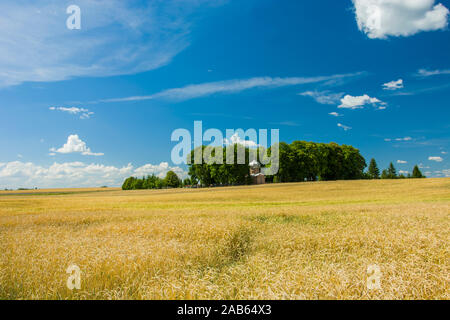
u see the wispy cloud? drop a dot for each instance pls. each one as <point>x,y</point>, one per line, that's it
<point>221,115</point>
<point>421,90</point>
<point>429,73</point>
<point>193,91</point>
<point>346,128</point>
<point>437,159</point>
<point>286,123</point>
<point>422,166</point>
<point>117,37</point>
<point>402,162</point>
<point>323,97</point>
<point>335,114</point>
<point>75,145</point>
<point>398,139</point>
<point>84,113</point>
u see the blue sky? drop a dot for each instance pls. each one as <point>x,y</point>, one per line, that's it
<point>89,107</point>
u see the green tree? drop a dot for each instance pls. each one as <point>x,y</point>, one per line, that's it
<point>172,180</point>
<point>391,171</point>
<point>187,182</point>
<point>128,183</point>
<point>373,171</point>
<point>416,173</point>
<point>384,174</point>
<point>138,184</point>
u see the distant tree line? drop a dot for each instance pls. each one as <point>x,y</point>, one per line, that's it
<point>153,182</point>
<point>391,173</point>
<point>298,161</point>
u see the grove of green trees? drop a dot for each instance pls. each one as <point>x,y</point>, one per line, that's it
<point>298,161</point>
<point>153,182</point>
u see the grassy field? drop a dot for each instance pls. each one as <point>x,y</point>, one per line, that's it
<point>284,241</point>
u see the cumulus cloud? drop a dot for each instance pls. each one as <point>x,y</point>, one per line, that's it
<point>75,145</point>
<point>75,174</point>
<point>323,97</point>
<point>358,102</point>
<point>402,161</point>
<point>235,139</point>
<point>429,73</point>
<point>393,85</point>
<point>84,113</point>
<point>437,159</point>
<point>229,87</point>
<point>117,37</point>
<point>346,128</point>
<point>382,18</point>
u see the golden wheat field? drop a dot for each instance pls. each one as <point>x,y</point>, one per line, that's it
<point>284,241</point>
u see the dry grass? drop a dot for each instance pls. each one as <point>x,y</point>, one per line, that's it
<point>286,241</point>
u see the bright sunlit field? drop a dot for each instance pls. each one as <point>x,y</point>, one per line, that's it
<point>284,241</point>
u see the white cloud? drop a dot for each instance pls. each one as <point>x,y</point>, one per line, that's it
<point>398,139</point>
<point>346,128</point>
<point>159,170</point>
<point>75,145</point>
<point>229,87</point>
<point>428,73</point>
<point>235,139</point>
<point>393,85</point>
<point>382,18</point>
<point>403,172</point>
<point>323,97</point>
<point>75,174</point>
<point>358,102</point>
<point>403,139</point>
<point>117,37</point>
<point>335,114</point>
<point>402,161</point>
<point>441,173</point>
<point>437,159</point>
<point>84,113</point>
<point>444,152</point>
